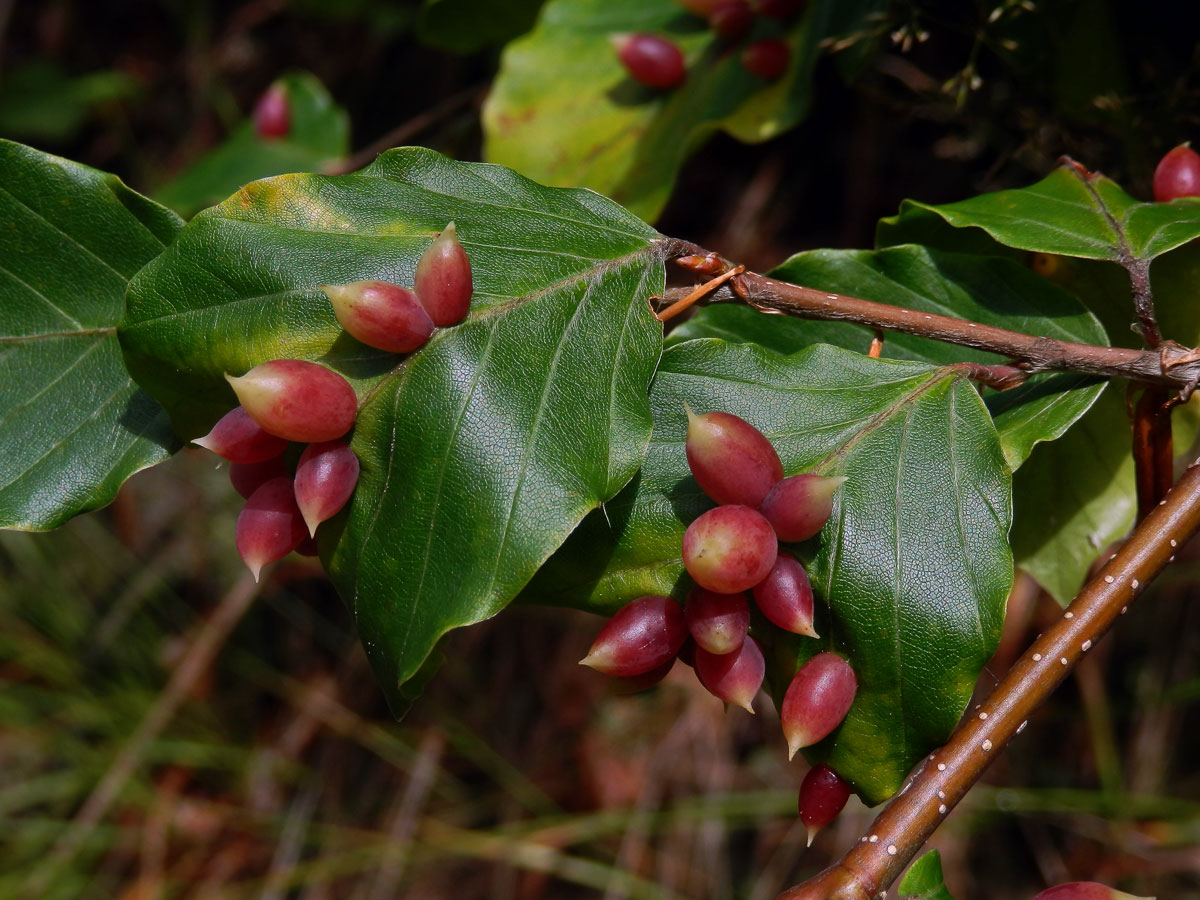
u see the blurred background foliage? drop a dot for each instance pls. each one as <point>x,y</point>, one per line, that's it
<point>169,730</point>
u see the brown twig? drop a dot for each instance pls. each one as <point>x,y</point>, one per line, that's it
<point>698,293</point>
<point>1001,377</point>
<point>1153,450</point>
<point>943,778</point>
<point>1170,367</point>
<point>1137,267</point>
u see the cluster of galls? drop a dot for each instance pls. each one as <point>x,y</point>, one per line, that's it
<point>730,551</point>
<point>292,400</point>
<point>658,62</point>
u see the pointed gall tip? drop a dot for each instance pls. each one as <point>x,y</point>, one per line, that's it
<point>205,442</point>
<point>255,569</point>
<point>618,39</point>
<point>595,660</point>
<point>449,231</point>
<point>236,382</point>
<point>312,522</point>
<point>812,833</point>
<point>825,485</point>
<point>793,746</point>
<point>807,630</point>
<point>743,702</point>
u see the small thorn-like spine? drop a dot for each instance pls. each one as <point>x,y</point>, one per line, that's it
<point>380,314</point>
<point>325,478</point>
<point>239,439</point>
<point>269,526</point>
<point>799,506</point>
<point>640,636</point>
<point>817,700</point>
<point>297,400</point>
<point>443,281</point>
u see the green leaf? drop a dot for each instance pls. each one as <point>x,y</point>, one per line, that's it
<point>564,111</point>
<point>1076,495</point>
<point>912,571</point>
<point>466,26</point>
<point>1102,286</point>
<point>1069,214</point>
<point>73,425</point>
<point>924,880</point>
<point>980,289</point>
<point>320,133</point>
<point>480,452</point>
<point>1073,498</point>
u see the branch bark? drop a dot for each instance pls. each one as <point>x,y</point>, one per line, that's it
<point>1153,449</point>
<point>1170,365</point>
<point>943,778</point>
